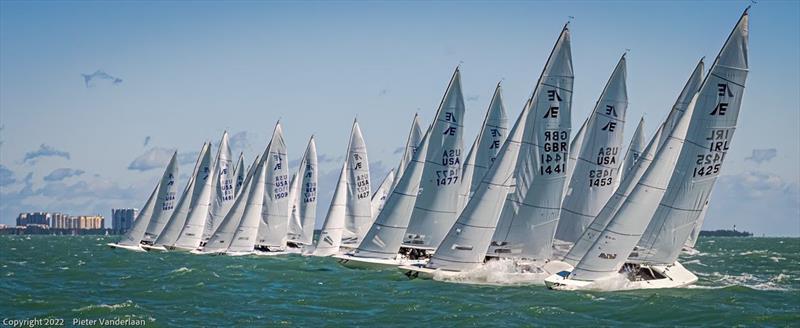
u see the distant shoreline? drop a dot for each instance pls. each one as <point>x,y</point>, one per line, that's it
<point>725,233</point>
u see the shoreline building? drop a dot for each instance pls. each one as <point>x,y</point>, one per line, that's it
<point>122,219</point>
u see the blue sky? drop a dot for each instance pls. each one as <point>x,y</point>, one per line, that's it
<point>190,70</point>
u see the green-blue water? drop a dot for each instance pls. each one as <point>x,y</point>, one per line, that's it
<point>750,281</point>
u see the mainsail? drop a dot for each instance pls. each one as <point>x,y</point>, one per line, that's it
<point>671,194</point>
<point>595,174</point>
<point>304,214</point>
<point>485,148</point>
<point>380,194</point>
<point>190,195</point>
<point>465,245</point>
<point>627,184</point>
<point>708,141</point>
<point>192,232</point>
<point>635,149</point>
<point>385,236</point>
<point>358,213</point>
<point>239,173</point>
<point>530,214</point>
<point>222,237</point>
<point>224,188</point>
<point>275,211</point>
<point>166,201</point>
<point>436,207</point>
<point>412,142</point>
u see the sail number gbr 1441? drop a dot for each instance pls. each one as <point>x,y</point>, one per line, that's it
<point>553,158</point>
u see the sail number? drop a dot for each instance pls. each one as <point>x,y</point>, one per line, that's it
<point>553,159</point>
<point>362,186</point>
<point>446,177</point>
<point>310,192</point>
<point>710,160</point>
<point>281,187</point>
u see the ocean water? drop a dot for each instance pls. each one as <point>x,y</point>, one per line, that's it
<point>743,281</point>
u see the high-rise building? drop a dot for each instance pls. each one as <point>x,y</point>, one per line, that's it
<point>42,218</point>
<point>122,219</point>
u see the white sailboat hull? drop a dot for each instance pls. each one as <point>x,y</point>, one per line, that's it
<point>179,249</point>
<point>524,271</point>
<point>674,276</point>
<point>356,262</point>
<point>154,248</point>
<point>136,248</point>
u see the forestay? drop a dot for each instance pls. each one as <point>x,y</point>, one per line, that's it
<point>530,213</point>
<point>435,209</point>
<point>594,177</point>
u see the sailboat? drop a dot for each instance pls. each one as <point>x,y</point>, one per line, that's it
<point>304,201</point>
<point>190,235</point>
<point>190,195</point>
<point>595,173</point>
<point>673,190</point>
<point>158,200</point>
<point>540,136</point>
<point>222,238</point>
<point>244,238</point>
<point>380,248</point>
<point>435,210</point>
<point>166,195</point>
<point>485,148</point>
<point>224,188</point>
<point>271,239</point>
<point>530,213</point>
<point>349,214</point>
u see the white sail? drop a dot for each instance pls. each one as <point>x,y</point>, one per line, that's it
<point>574,150</point>
<point>465,245</point>
<point>134,236</point>
<point>222,237</point>
<point>192,232</point>
<point>627,184</point>
<point>175,224</point>
<point>166,201</point>
<point>358,216</point>
<point>330,237</point>
<point>244,239</point>
<point>708,140</point>
<point>224,187</point>
<point>305,213</point>
<point>530,214</point>
<point>635,149</point>
<point>385,236</point>
<point>412,142</point>
<point>380,194</point>
<point>692,241</point>
<point>239,173</point>
<point>484,150</point>
<point>436,207</point>
<point>595,174</point>
<point>294,228</point>
<point>275,212</point>
<point>668,196</point>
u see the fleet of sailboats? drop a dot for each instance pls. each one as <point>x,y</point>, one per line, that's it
<point>568,212</point>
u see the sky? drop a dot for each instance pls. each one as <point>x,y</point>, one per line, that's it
<point>95,95</point>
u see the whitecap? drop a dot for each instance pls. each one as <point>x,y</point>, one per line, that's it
<point>111,307</point>
<point>504,272</point>
<point>181,270</point>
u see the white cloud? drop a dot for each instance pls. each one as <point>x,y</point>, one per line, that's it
<point>153,158</point>
<point>63,173</point>
<point>762,155</point>
<point>43,151</point>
